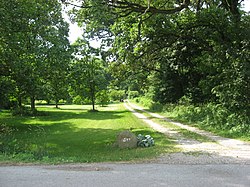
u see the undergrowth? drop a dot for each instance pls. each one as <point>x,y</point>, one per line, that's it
<point>212,117</point>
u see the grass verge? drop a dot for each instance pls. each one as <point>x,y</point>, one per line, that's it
<point>72,134</point>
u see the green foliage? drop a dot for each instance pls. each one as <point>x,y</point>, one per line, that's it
<point>34,49</point>
<point>7,99</point>
<point>145,141</point>
<point>144,101</point>
<point>200,52</point>
<point>148,103</point>
<point>88,72</point>
<point>26,111</point>
<point>78,100</point>
<point>192,54</point>
<point>117,95</point>
<point>102,97</point>
<point>185,100</point>
<point>133,94</point>
<point>213,117</point>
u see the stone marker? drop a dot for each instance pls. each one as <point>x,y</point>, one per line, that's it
<point>126,139</point>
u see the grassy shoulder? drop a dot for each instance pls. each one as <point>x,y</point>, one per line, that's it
<point>73,134</point>
<point>213,118</point>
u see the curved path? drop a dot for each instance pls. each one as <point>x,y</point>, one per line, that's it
<point>223,150</point>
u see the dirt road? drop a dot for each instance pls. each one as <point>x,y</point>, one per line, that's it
<point>222,150</point>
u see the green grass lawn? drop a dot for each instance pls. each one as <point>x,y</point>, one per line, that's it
<point>73,134</point>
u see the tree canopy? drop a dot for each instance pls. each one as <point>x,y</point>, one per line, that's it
<point>33,39</point>
<point>165,50</point>
<point>198,49</point>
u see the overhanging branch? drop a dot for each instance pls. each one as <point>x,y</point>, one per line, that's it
<point>134,7</point>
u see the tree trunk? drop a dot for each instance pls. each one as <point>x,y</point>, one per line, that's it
<point>32,103</point>
<point>56,103</point>
<point>92,92</point>
<point>93,101</point>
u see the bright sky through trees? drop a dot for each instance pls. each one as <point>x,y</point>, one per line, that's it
<point>76,31</point>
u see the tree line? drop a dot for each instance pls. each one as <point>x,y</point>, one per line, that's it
<point>173,49</point>
<point>37,60</point>
<point>163,50</point>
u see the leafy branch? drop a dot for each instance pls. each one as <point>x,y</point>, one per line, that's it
<point>129,7</point>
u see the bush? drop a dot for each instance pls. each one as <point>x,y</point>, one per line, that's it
<point>25,111</point>
<point>102,97</point>
<point>156,107</point>
<point>210,115</point>
<point>145,141</point>
<point>207,116</point>
<point>146,102</point>
<point>133,94</point>
<point>185,100</point>
<point>117,95</point>
<point>78,100</point>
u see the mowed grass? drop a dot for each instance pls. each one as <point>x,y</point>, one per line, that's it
<point>73,134</point>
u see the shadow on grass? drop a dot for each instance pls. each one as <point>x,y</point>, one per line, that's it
<point>59,138</point>
<point>64,141</point>
<point>65,115</point>
<point>57,115</point>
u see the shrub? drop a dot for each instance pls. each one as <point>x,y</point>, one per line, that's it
<point>102,97</point>
<point>210,115</point>
<point>77,100</point>
<point>133,94</point>
<point>26,111</point>
<point>146,102</point>
<point>117,95</point>
<point>156,107</point>
<point>145,141</point>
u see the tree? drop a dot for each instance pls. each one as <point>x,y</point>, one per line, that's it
<point>194,48</point>
<point>29,32</point>
<point>87,72</point>
<point>102,97</point>
<point>58,57</point>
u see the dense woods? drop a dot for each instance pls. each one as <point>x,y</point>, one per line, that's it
<point>188,52</point>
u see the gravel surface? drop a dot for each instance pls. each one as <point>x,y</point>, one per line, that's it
<point>222,151</point>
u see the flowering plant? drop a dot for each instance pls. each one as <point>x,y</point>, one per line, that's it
<point>145,141</point>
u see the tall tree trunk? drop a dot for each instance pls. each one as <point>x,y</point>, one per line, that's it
<point>56,102</point>
<point>92,92</point>
<point>32,103</point>
<point>93,103</point>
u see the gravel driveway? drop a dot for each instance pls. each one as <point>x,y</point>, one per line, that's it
<point>222,150</point>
